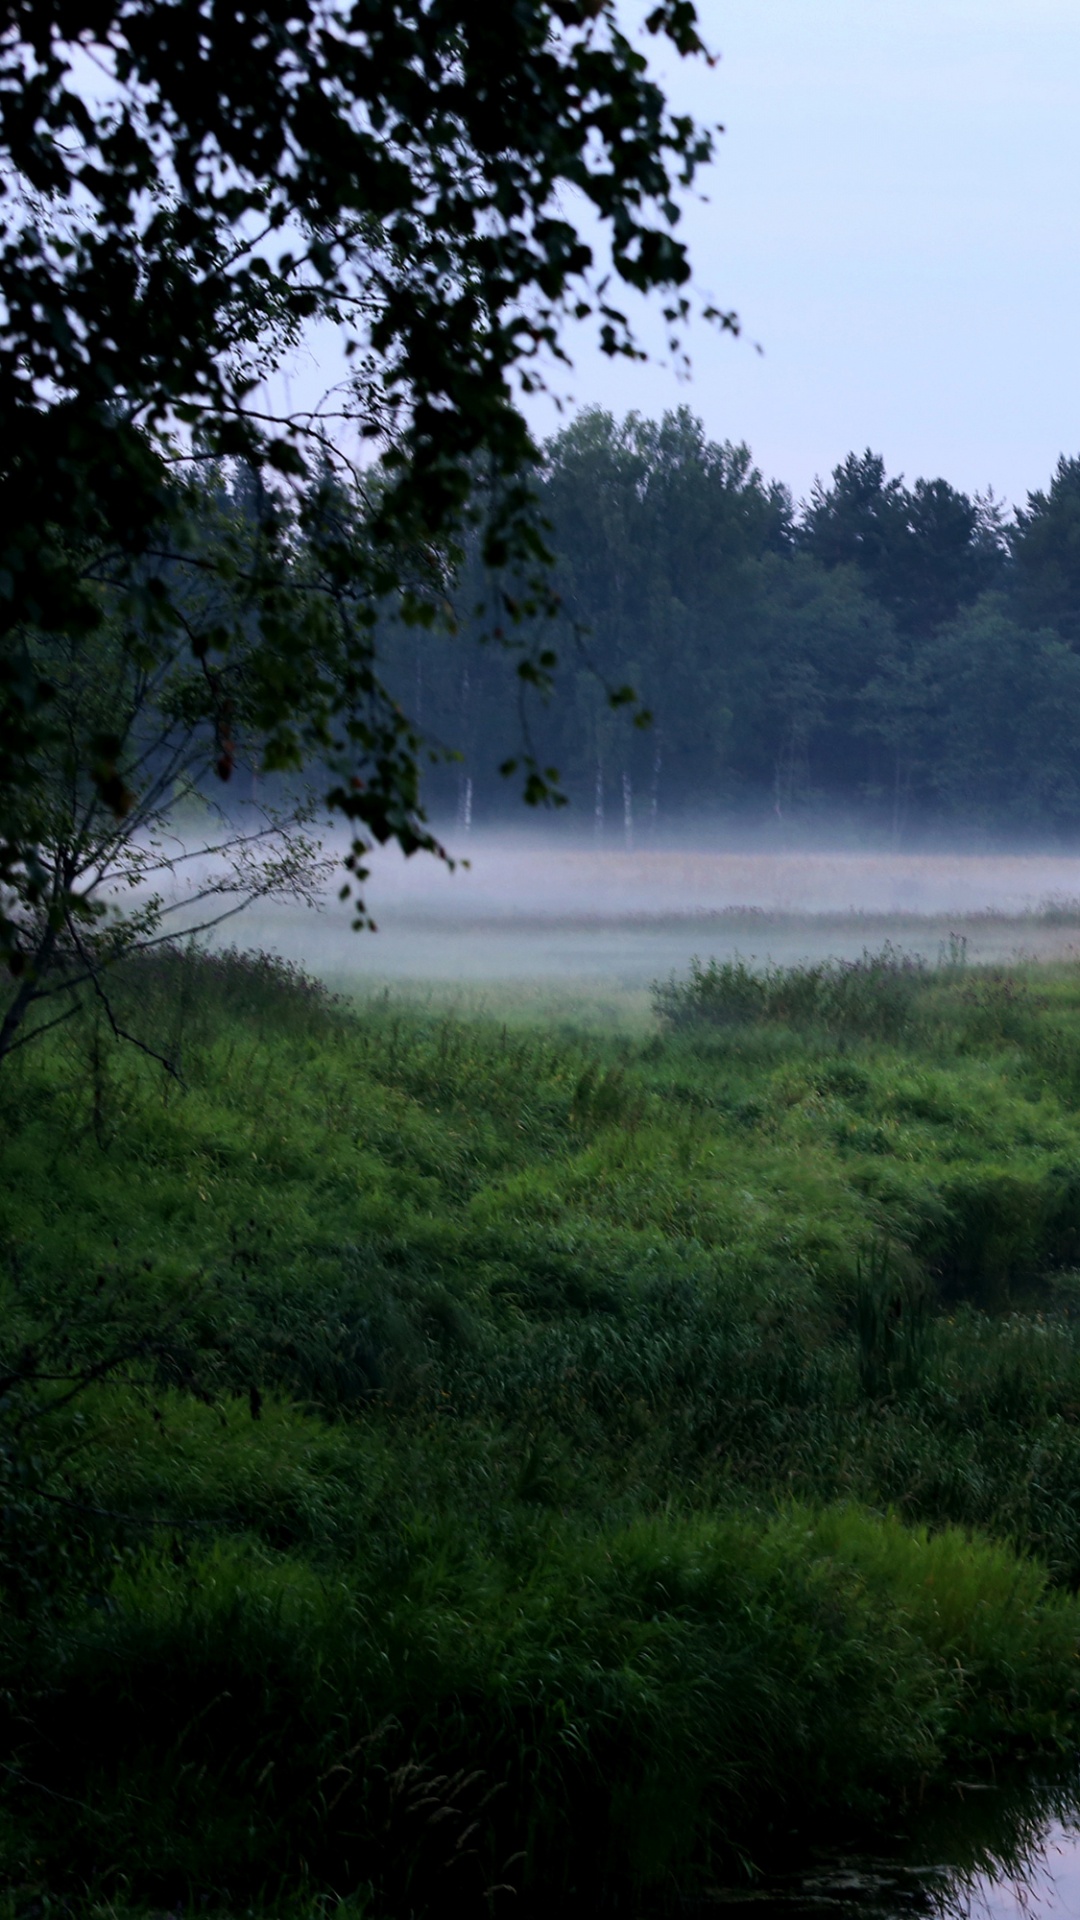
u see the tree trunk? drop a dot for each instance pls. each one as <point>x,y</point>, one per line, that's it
<point>654,798</point>
<point>27,993</point>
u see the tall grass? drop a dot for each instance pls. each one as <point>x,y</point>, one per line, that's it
<point>438,1457</point>
<point>873,995</point>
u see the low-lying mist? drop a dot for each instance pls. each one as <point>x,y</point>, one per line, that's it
<point>518,907</point>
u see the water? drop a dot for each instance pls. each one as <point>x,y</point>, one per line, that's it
<point>987,1853</point>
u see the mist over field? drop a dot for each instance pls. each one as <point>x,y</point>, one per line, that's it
<point>560,909</point>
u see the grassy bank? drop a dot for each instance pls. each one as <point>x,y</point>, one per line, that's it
<point>441,1456</point>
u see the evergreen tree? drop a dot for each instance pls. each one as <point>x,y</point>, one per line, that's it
<point>1045,547</point>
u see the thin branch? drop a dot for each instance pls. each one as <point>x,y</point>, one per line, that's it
<point>150,945</point>
<point>119,1032</point>
<point>223,846</point>
<point>36,1032</point>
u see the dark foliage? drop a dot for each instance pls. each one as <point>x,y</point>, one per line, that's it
<point>185,189</point>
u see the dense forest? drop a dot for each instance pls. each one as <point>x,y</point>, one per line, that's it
<point>906,652</point>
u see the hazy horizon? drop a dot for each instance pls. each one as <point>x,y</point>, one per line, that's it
<point>529,908</point>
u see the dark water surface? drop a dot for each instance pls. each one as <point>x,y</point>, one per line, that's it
<point>991,1853</point>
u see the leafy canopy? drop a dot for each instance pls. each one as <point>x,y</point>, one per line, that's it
<point>183,191</point>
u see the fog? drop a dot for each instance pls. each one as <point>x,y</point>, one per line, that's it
<point>526,908</point>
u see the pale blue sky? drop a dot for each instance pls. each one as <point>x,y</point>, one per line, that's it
<point>895,213</point>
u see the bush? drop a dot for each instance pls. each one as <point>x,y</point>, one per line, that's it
<point>619,1700</point>
<point>875,995</point>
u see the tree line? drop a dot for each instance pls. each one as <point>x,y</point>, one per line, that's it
<point>904,650</point>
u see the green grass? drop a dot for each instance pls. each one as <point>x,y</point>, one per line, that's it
<point>506,1456</point>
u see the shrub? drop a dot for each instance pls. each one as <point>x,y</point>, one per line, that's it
<point>874,995</point>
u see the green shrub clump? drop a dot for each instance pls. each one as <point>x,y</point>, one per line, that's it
<point>874,995</point>
<point>437,1459</point>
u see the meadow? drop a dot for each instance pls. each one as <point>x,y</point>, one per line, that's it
<point>451,1459</point>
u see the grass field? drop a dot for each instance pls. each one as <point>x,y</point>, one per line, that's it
<point>445,1452</point>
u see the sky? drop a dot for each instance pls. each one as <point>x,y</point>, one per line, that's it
<point>894,213</point>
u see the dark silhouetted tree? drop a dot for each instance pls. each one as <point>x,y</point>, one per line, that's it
<point>186,189</point>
